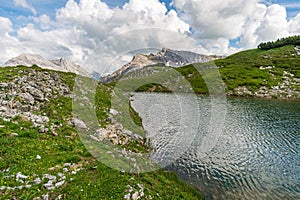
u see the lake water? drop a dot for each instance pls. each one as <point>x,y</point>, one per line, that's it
<point>227,148</point>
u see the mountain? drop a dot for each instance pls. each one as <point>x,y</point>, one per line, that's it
<point>97,76</point>
<point>167,57</point>
<point>60,64</point>
<point>67,65</point>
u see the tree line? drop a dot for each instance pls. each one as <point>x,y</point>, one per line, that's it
<point>292,40</point>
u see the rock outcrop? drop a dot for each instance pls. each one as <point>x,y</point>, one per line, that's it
<point>26,93</point>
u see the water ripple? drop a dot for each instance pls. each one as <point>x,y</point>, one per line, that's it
<point>257,157</point>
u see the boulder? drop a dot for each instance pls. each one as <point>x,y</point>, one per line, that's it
<point>79,124</point>
<point>3,85</point>
<point>27,98</point>
<point>36,93</point>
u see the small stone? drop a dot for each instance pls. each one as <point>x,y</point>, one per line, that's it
<point>11,188</point>
<point>20,187</point>
<point>50,177</point>
<point>51,168</point>
<point>20,176</point>
<point>3,85</point>
<point>28,98</point>
<point>38,157</point>
<point>127,196</point>
<point>67,165</point>
<point>14,134</point>
<point>59,184</point>
<point>37,181</point>
<point>135,196</point>
<point>142,194</point>
<point>3,109</point>
<point>79,124</point>
<point>37,94</point>
<point>49,185</point>
<point>140,186</point>
<point>95,138</point>
<point>42,129</point>
<point>113,112</point>
<point>45,196</point>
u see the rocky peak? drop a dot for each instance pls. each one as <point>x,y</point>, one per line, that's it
<point>138,62</point>
<point>60,64</point>
<point>67,65</point>
<point>29,60</point>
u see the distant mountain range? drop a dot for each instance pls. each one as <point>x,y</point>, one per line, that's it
<point>167,57</point>
<point>60,64</point>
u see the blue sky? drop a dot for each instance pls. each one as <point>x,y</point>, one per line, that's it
<point>51,28</point>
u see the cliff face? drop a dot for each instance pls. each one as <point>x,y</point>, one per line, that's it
<point>167,57</point>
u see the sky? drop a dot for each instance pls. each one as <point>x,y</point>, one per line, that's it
<point>106,31</point>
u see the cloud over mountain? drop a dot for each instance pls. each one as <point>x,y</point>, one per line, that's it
<point>211,27</point>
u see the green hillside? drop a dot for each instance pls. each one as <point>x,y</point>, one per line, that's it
<point>273,73</point>
<point>42,156</point>
<point>250,68</point>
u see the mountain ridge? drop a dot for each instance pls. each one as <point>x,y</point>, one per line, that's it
<point>167,57</point>
<point>59,64</point>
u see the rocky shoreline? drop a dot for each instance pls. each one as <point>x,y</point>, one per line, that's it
<point>285,89</point>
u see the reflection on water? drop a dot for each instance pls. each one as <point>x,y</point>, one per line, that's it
<point>256,156</point>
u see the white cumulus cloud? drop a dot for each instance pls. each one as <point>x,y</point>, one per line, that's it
<point>274,24</point>
<point>249,21</point>
<point>5,26</point>
<point>79,27</point>
<point>9,45</point>
<point>294,24</point>
<point>86,26</point>
<point>218,18</point>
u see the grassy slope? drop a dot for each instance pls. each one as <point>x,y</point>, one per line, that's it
<point>242,69</point>
<point>94,181</point>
